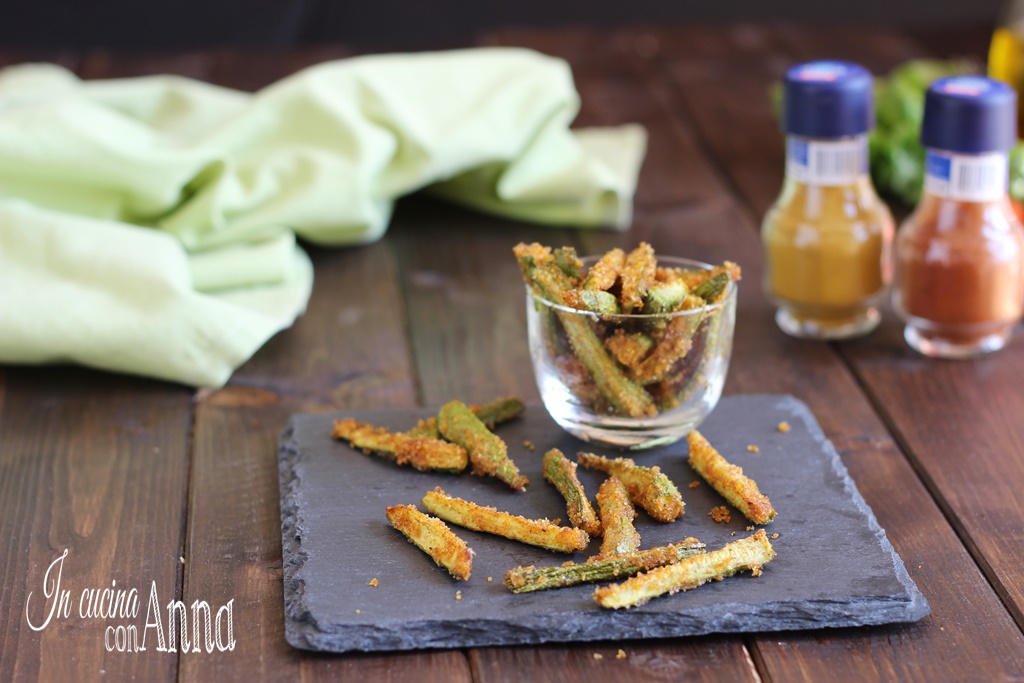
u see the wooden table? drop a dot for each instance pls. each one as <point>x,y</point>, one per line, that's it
<point>151,483</point>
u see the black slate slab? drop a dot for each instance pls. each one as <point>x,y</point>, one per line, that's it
<point>834,566</point>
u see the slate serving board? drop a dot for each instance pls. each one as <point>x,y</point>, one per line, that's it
<point>834,565</point>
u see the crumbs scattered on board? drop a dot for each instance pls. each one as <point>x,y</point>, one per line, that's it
<point>374,582</point>
<point>783,427</point>
<point>720,514</point>
<point>752,448</point>
<point>529,445</point>
<point>694,484</point>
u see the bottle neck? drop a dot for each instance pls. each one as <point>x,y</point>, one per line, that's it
<point>966,177</point>
<point>833,162</point>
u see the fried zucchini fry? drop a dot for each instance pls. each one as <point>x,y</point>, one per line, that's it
<point>491,414</point>
<point>539,532</point>
<point>433,537</point>
<point>617,514</point>
<point>596,301</point>
<point>605,272</point>
<point>637,277</point>
<point>528,579</point>
<point>750,553</point>
<point>623,394</point>
<point>561,472</point>
<point>628,348</point>
<point>648,487</point>
<point>729,480</point>
<point>674,345</point>
<point>488,454</point>
<point>423,453</point>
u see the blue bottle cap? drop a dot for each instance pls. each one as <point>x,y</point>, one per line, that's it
<point>970,115</point>
<point>827,99</point>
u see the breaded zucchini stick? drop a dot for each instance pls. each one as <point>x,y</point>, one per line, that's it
<point>637,277</point>
<point>627,397</point>
<point>629,349</point>
<point>605,272</point>
<point>423,453</point>
<point>674,345</point>
<point>487,452</point>
<point>617,514</point>
<point>491,414</point>
<point>750,553</point>
<point>561,472</point>
<point>528,579</point>
<point>433,537</point>
<point>539,532</point>
<point>729,480</point>
<point>648,487</point>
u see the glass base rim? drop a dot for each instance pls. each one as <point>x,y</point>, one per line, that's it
<point>936,347</point>
<point>859,326</point>
<point>638,439</point>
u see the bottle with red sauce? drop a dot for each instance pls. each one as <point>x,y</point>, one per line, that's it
<point>960,255</point>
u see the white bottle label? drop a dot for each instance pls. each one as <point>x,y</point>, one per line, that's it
<point>966,178</point>
<point>827,163</point>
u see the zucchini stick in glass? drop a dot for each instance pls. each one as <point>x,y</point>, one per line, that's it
<point>488,454</point>
<point>627,397</point>
<point>539,532</point>
<point>648,487</point>
<point>491,414</point>
<point>423,452</point>
<point>729,480</point>
<point>617,515</point>
<point>433,537</point>
<point>561,472</point>
<point>750,553</point>
<point>528,579</point>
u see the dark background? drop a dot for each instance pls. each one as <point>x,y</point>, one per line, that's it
<point>412,24</point>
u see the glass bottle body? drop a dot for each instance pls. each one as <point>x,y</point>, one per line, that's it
<point>828,257</point>
<point>959,276</point>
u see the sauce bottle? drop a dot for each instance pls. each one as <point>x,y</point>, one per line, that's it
<point>1006,50</point>
<point>828,237</point>
<point>960,255</point>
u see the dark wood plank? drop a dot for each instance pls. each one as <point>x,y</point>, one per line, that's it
<point>107,64</point>
<point>915,523</point>
<point>347,351</point>
<point>96,464</point>
<point>628,661</point>
<point>254,69</point>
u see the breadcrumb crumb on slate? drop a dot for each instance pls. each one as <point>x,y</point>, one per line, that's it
<point>720,514</point>
<point>753,449</point>
<point>784,427</point>
<point>374,582</point>
<point>694,484</point>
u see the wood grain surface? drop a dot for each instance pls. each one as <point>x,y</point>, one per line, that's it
<point>132,475</point>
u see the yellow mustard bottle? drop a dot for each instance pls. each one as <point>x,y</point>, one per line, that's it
<point>1006,52</point>
<point>828,237</point>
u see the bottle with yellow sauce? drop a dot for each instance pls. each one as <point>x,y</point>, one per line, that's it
<point>828,237</point>
<point>1006,52</point>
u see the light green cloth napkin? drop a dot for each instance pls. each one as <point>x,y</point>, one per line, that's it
<point>148,225</point>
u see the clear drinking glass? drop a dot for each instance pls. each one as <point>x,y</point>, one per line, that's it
<point>596,398</point>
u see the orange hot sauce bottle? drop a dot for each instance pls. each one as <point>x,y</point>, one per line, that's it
<point>828,237</point>
<point>960,255</point>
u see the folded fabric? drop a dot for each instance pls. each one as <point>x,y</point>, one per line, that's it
<point>148,225</point>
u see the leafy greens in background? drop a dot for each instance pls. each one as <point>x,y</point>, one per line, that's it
<point>897,157</point>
